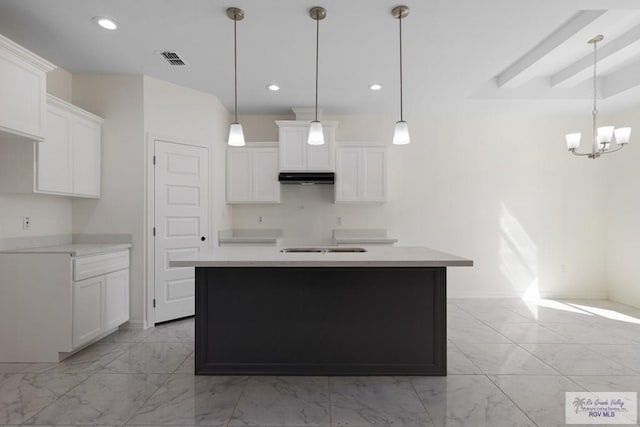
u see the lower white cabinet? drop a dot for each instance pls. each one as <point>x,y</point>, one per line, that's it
<point>361,173</point>
<point>87,310</point>
<point>52,304</point>
<point>252,174</point>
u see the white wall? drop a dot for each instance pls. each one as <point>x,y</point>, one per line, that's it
<point>495,187</point>
<point>623,215</point>
<point>50,215</point>
<point>119,100</point>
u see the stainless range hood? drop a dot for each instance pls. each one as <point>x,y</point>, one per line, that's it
<point>306,178</point>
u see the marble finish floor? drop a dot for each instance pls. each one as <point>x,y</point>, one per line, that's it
<point>509,364</point>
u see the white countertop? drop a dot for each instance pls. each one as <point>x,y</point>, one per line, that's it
<point>74,249</point>
<point>376,256</point>
<point>362,237</point>
<point>248,236</point>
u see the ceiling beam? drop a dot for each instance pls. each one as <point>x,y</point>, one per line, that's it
<point>622,80</point>
<point>612,52</point>
<point>509,77</point>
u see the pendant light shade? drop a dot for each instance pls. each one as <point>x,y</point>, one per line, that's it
<point>316,136</point>
<point>573,140</point>
<point>236,136</point>
<point>401,133</point>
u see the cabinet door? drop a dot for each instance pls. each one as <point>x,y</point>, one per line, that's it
<point>320,157</point>
<point>266,187</point>
<point>86,142</point>
<point>116,299</point>
<point>239,179</point>
<point>374,174</point>
<point>22,103</point>
<point>87,310</point>
<point>348,172</point>
<point>55,169</point>
<point>293,148</point>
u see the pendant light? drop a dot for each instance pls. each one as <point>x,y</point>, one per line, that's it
<point>602,136</point>
<point>401,133</point>
<point>316,136</point>
<point>236,135</point>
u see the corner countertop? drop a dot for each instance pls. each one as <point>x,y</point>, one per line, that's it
<point>376,256</point>
<point>73,249</point>
<point>249,236</point>
<point>362,237</point>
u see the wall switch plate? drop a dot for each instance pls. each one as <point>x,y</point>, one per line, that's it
<point>26,222</point>
<point>339,220</point>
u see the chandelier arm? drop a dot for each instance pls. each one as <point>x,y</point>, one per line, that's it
<point>613,151</point>
<point>577,153</point>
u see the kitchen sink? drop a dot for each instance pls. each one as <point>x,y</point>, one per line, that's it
<point>322,250</point>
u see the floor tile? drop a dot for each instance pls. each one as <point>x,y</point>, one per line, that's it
<point>24,395</point>
<point>186,399</point>
<point>25,368</point>
<point>626,355</point>
<point>188,366</point>
<point>151,358</point>
<point>363,401</point>
<point>505,359</point>
<point>91,359</point>
<point>182,331</point>
<point>541,397</point>
<point>468,400</point>
<point>458,363</point>
<point>591,333</point>
<point>284,401</point>
<point>128,335</point>
<point>575,359</point>
<point>106,399</point>
<point>521,333</point>
<point>473,332</point>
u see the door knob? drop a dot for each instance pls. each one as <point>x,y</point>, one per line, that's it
<point>203,238</point>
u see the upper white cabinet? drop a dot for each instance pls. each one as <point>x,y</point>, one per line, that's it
<point>298,156</point>
<point>361,173</point>
<point>67,162</point>
<point>252,174</point>
<point>23,87</point>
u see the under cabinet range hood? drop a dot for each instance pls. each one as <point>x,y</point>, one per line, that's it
<point>306,178</point>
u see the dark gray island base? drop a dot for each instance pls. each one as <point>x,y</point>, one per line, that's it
<point>324,320</point>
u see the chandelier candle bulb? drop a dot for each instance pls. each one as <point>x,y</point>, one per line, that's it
<point>622,135</point>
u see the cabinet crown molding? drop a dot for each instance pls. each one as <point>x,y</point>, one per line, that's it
<point>52,100</point>
<point>26,54</point>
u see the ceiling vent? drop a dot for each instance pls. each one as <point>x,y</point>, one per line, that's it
<point>173,58</point>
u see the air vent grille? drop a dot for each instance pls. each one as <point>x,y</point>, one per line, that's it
<point>173,58</point>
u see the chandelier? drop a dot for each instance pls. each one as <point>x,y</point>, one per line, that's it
<point>602,136</point>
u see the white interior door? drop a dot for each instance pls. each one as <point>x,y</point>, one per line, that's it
<point>182,224</point>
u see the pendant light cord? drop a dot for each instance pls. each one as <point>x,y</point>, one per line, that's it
<point>235,66</point>
<point>400,26</point>
<point>317,56</point>
<point>595,97</point>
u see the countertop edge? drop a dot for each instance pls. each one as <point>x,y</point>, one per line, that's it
<point>372,264</point>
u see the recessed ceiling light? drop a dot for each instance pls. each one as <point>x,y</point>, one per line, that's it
<point>106,23</point>
<point>273,87</point>
<point>375,86</point>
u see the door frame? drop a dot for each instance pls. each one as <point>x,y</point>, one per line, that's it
<point>149,217</point>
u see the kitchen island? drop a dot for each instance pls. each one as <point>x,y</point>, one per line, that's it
<point>261,311</point>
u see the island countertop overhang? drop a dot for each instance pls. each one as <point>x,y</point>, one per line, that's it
<point>381,256</point>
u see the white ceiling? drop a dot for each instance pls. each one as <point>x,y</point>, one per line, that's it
<point>454,49</point>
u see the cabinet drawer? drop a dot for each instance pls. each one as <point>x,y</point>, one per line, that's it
<point>91,266</point>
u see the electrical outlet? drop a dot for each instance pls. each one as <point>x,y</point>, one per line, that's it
<point>259,220</point>
<point>26,222</point>
<point>339,220</point>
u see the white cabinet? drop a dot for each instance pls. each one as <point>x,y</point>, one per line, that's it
<point>87,310</point>
<point>23,92</point>
<point>361,173</point>
<point>252,174</point>
<point>69,159</point>
<point>67,162</point>
<point>61,302</point>
<point>298,156</point>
